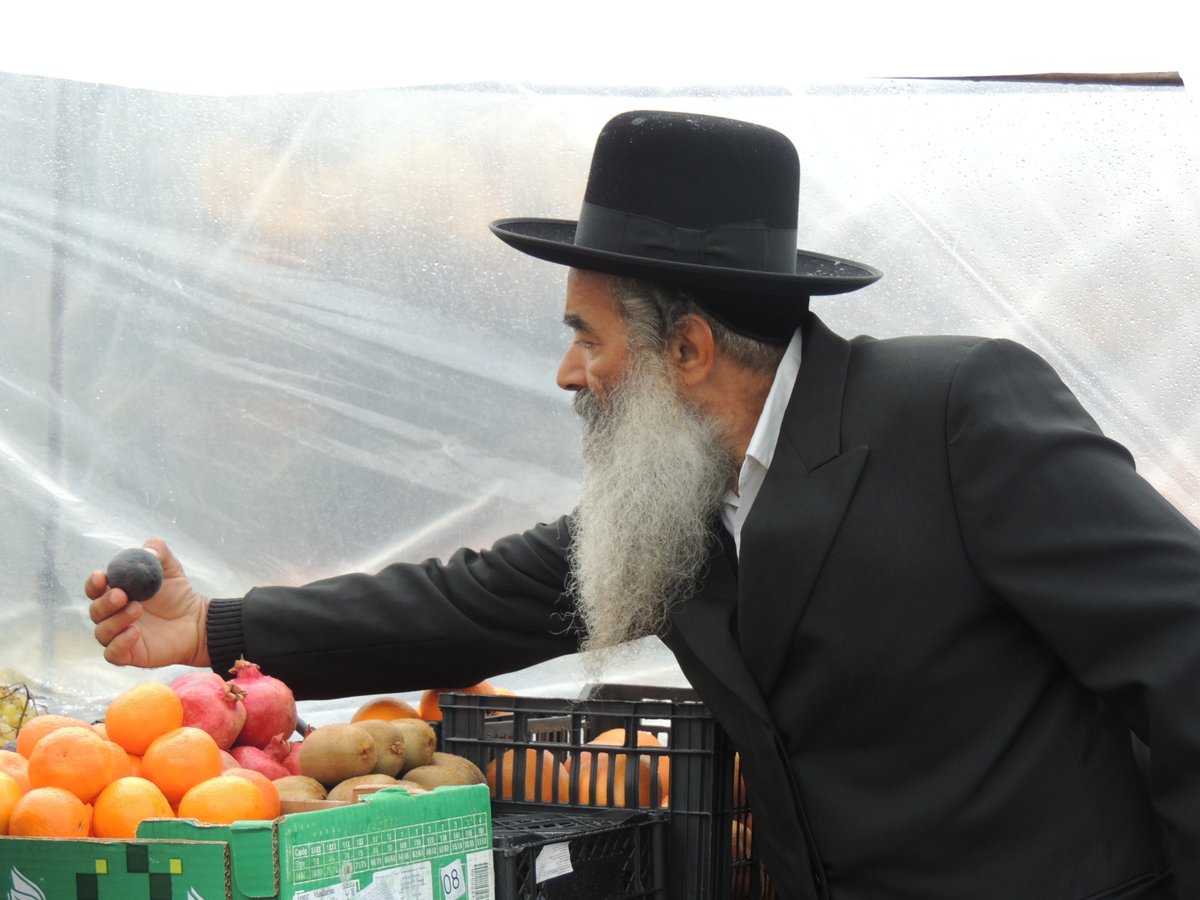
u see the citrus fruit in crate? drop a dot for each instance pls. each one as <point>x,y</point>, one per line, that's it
<point>595,769</point>
<point>429,705</point>
<point>74,758</point>
<point>616,737</point>
<point>10,793</point>
<point>386,708</point>
<point>14,764</point>
<point>223,800</point>
<point>124,804</point>
<point>555,782</point>
<point>50,812</point>
<point>180,759</point>
<point>266,787</point>
<point>36,729</point>
<point>137,716</point>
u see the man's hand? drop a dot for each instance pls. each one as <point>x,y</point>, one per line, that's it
<point>167,629</point>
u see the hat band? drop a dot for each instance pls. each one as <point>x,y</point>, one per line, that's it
<point>740,245</point>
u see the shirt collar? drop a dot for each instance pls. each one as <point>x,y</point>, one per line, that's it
<point>761,448</point>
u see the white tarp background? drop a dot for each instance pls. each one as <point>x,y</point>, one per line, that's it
<point>251,305</point>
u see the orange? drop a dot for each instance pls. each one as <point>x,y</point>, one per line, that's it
<point>10,793</point>
<point>14,764</point>
<point>74,758</point>
<point>122,763</point>
<point>50,812</point>
<point>223,800</point>
<point>124,804</point>
<point>616,737</point>
<point>431,712</point>
<point>739,783</point>
<point>271,801</point>
<point>555,785</point>
<point>740,850</point>
<point>597,769</point>
<point>139,715</point>
<point>181,759</point>
<point>37,728</point>
<point>386,708</point>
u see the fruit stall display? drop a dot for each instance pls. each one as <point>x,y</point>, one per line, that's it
<point>648,790</point>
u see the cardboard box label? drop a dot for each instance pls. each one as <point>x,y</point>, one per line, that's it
<point>434,846</point>
<point>387,849</point>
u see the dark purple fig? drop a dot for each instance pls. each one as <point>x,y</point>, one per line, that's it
<point>137,572</point>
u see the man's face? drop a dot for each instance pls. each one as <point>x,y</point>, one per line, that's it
<point>599,352</point>
<point>655,470</point>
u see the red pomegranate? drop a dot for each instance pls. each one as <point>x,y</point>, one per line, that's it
<point>270,705</point>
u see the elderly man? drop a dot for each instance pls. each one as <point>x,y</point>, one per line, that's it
<point>936,609</point>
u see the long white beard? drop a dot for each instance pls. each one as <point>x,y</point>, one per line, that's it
<point>655,471</point>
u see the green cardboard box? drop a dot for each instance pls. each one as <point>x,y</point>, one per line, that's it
<point>388,845</point>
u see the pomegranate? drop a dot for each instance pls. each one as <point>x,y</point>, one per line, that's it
<point>270,705</point>
<point>292,760</point>
<point>211,704</point>
<point>262,760</point>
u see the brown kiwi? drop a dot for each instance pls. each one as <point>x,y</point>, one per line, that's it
<point>343,791</point>
<point>420,742</point>
<point>471,773</point>
<point>299,787</point>
<point>390,751</point>
<point>431,776</point>
<point>333,753</point>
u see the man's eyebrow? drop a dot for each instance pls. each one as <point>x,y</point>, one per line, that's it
<point>576,322</point>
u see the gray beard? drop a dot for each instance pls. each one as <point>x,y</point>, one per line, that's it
<point>655,472</point>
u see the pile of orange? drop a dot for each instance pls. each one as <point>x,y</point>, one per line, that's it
<point>69,778</point>
<point>429,707</point>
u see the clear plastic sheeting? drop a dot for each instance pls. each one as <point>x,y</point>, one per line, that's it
<point>275,330</point>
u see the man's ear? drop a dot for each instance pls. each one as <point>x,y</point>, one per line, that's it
<point>693,350</point>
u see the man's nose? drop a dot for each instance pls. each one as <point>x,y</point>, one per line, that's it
<point>570,371</point>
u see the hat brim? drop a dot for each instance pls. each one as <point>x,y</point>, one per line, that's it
<point>553,240</point>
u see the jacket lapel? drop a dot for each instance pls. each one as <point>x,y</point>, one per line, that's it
<point>705,624</point>
<point>799,508</point>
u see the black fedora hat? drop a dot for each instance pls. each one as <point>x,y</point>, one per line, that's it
<point>700,202</point>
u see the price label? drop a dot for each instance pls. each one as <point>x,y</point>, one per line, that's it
<point>454,881</point>
<point>553,860</point>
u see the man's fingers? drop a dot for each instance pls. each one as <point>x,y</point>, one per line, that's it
<point>108,604</point>
<point>96,584</point>
<point>119,649</point>
<point>109,626</point>
<point>171,566</point>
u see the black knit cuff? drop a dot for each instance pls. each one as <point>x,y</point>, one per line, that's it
<point>226,642</point>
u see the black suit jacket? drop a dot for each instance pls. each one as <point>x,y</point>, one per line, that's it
<point>955,606</point>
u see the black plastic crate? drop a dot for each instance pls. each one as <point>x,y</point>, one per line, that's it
<point>594,854</point>
<point>689,772</point>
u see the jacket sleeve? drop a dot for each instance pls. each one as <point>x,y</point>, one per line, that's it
<point>410,626</point>
<point>1059,524</point>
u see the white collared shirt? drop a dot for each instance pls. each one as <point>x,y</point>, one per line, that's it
<point>735,507</point>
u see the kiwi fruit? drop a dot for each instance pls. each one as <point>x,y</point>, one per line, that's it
<point>390,754</point>
<point>420,742</point>
<point>333,753</point>
<point>343,791</point>
<point>137,572</point>
<point>471,773</point>
<point>431,776</point>
<point>299,787</point>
